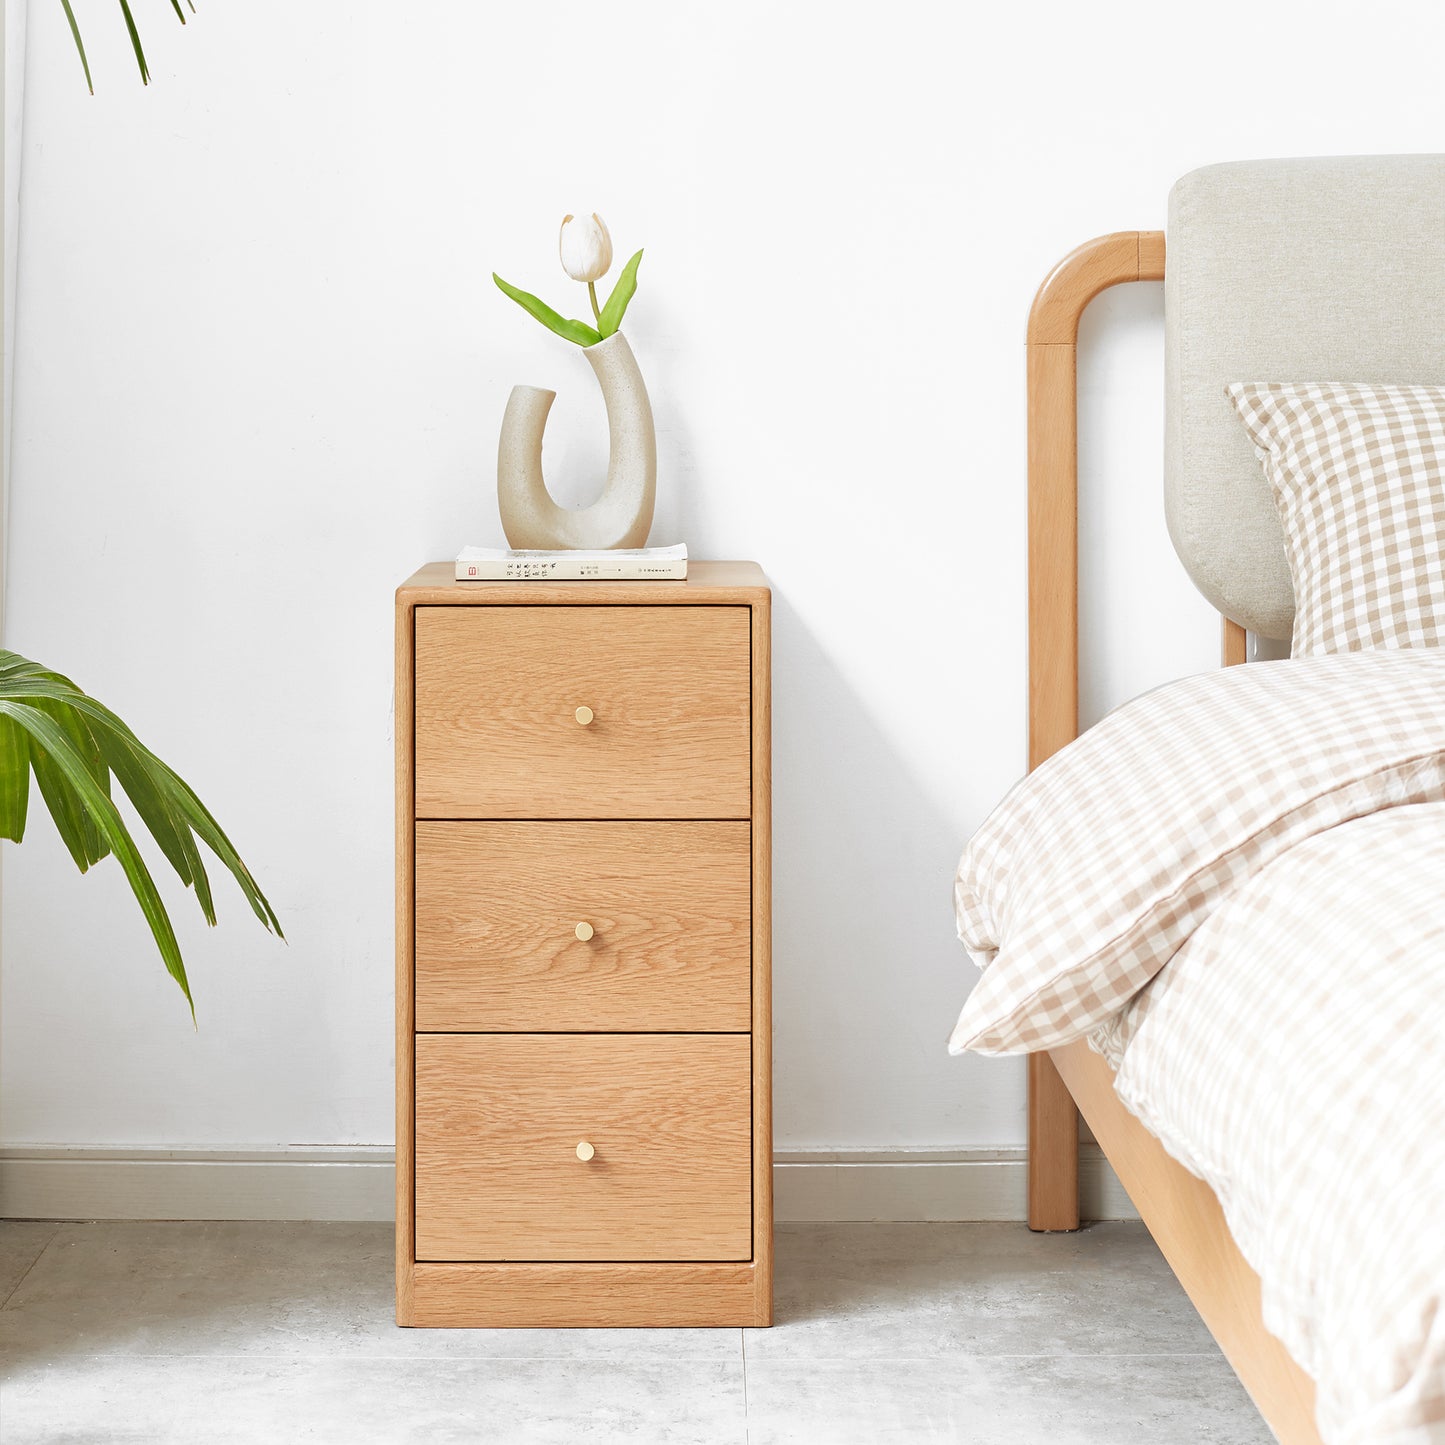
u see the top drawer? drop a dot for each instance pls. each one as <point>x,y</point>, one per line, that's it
<point>666,689</point>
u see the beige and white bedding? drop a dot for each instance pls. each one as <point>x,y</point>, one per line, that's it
<point>1267,843</point>
<point>1292,1054</point>
<point>1084,881</point>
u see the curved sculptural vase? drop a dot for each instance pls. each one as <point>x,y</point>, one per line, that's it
<point>622,515</point>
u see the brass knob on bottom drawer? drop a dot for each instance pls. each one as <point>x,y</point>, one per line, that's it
<point>584,931</point>
<point>585,1151</point>
<point>584,715</point>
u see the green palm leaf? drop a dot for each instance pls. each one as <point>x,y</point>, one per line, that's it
<point>14,778</point>
<point>131,30</point>
<point>75,745</point>
<point>140,55</point>
<point>79,44</point>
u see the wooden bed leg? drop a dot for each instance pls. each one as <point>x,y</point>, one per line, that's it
<point>1053,1149</point>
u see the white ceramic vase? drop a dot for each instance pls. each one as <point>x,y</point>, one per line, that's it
<point>622,515</point>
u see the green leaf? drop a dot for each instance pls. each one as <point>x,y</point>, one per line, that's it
<point>166,803</point>
<point>52,694</point>
<point>185,806</point>
<point>52,737</point>
<point>130,763</point>
<point>95,741</point>
<point>79,44</point>
<point>140,55</point>
<point>578,331</point>
<point>209,832</point>
<point>78,730</point>
<point>72,819</point>
<point>622,293</point>
<point>14,779</point>
<point>66,809</point>
<point>180,14</point>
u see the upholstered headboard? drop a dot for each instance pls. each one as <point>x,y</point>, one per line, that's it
<point>1329,269</point>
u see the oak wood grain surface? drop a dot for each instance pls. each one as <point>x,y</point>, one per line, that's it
<point>1182,1213</point>
<point>707,584</point>
<point>405,1023</point>
<point>1053,491</point>
<point>661,800</point>
<point>499,1118</point>
<point>762,999</point>
<point>668,905</point>
<point>559,1296</point>
<point>497,694</point>
<point>1188,1225</point>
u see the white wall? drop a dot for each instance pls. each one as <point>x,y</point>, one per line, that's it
<point>260,371</point>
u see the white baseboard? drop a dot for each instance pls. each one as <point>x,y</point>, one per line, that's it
<point>357,1184</point>
<point>930,1184</point>
<point>101,1183</point>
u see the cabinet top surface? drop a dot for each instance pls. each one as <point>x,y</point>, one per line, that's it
<point>739,583</point>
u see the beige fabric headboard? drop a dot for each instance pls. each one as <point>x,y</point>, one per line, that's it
<point>1327,269</point>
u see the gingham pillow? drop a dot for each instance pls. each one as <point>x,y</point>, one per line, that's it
<point>1081,885</point>
<point>1358,474</point>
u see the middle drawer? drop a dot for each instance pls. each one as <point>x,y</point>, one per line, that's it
<point>581,927</point>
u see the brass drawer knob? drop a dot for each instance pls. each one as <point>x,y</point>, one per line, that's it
<point>584,931</point>
<point>584,715</point>
<point>585,1151</point>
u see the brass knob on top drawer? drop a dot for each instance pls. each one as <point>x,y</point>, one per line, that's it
<point>584,715</point>
<point>584,931</point>
<point>585,1151</point>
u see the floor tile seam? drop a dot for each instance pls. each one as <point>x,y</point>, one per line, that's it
<point>5,1303</point>
<point>743,1344</point>
<point>957,1357</point>
<point>611,1361</point>
<point>631,1358</point>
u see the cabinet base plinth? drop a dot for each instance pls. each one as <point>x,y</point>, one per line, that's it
<point>492,1296</point>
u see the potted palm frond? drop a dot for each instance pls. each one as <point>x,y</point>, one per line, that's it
<point>131,30</point>
<point>75,747</point>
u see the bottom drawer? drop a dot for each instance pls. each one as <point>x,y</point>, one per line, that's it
<point>499,1118</point>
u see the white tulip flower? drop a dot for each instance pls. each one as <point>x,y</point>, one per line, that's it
<point>585,246</point>
<point>586,251</point>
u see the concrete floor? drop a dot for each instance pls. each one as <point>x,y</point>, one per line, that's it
<point>126,1332</point>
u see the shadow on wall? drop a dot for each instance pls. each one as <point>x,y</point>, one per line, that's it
<point>868,975</point>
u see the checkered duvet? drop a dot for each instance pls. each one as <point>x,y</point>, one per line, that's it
<point>1293,1055</point>
<point>1267,845</point>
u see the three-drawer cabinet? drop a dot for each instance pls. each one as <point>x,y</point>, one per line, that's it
<point>583,998</point>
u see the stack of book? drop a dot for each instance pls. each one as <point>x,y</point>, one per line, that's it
<point>642,564</point>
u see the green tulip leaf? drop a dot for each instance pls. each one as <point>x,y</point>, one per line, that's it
<point>622,293</point>
<point>578,331</point>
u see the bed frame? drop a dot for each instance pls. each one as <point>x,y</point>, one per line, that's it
<point>1181,1211</point>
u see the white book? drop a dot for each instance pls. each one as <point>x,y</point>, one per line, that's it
<point>641,564</point>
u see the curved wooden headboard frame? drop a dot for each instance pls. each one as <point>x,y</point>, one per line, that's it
<point>1181,1211</point>
<point>1053,336</point>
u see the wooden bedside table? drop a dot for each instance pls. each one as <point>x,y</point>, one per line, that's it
<point>583,994</point>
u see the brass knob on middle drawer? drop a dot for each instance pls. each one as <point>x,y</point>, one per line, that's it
<point>584,715</point>
<point>584,931</point>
